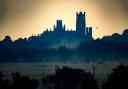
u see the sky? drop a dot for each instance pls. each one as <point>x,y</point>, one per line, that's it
<point>22,18</point>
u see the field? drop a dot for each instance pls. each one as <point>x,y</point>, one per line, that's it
<point>37,70</point>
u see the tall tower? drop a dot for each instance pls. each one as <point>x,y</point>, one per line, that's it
<point>80,23</point>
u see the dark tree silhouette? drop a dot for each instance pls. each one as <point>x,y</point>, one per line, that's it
<point>18,82</point>
<point>68,78</point>
<point>23,82</point>
<point>94,66</point>
<point>4,84</point>
<point>118,79</point>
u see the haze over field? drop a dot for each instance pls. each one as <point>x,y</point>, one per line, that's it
<point>37,70</point>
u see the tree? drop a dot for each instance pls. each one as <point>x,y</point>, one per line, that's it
<point>94,66</point>
<point>118,79</point>
<point>23,82</point>
<point>68,78</point>
<point>4,84</point>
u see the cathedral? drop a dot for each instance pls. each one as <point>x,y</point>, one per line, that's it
<point>59,36</point>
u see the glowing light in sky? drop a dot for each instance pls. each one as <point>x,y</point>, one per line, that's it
<point>22,18</point>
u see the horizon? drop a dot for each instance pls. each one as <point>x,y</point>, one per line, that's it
<point>63,44</point>
<point>52,29</point>
<point>21,19</point>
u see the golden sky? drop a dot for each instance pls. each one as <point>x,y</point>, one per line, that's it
<point>22,18</point>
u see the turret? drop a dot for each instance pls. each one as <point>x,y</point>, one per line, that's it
<point>88,33</point>
<point>59,27</point>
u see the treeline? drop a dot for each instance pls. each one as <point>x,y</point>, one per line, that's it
<point>99,49</point>
<point>68,78</point>
<point>37,48</point>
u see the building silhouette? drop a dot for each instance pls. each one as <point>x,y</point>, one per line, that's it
<point>59,36</point>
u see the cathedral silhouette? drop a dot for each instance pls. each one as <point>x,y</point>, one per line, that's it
<point>59,36</point>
